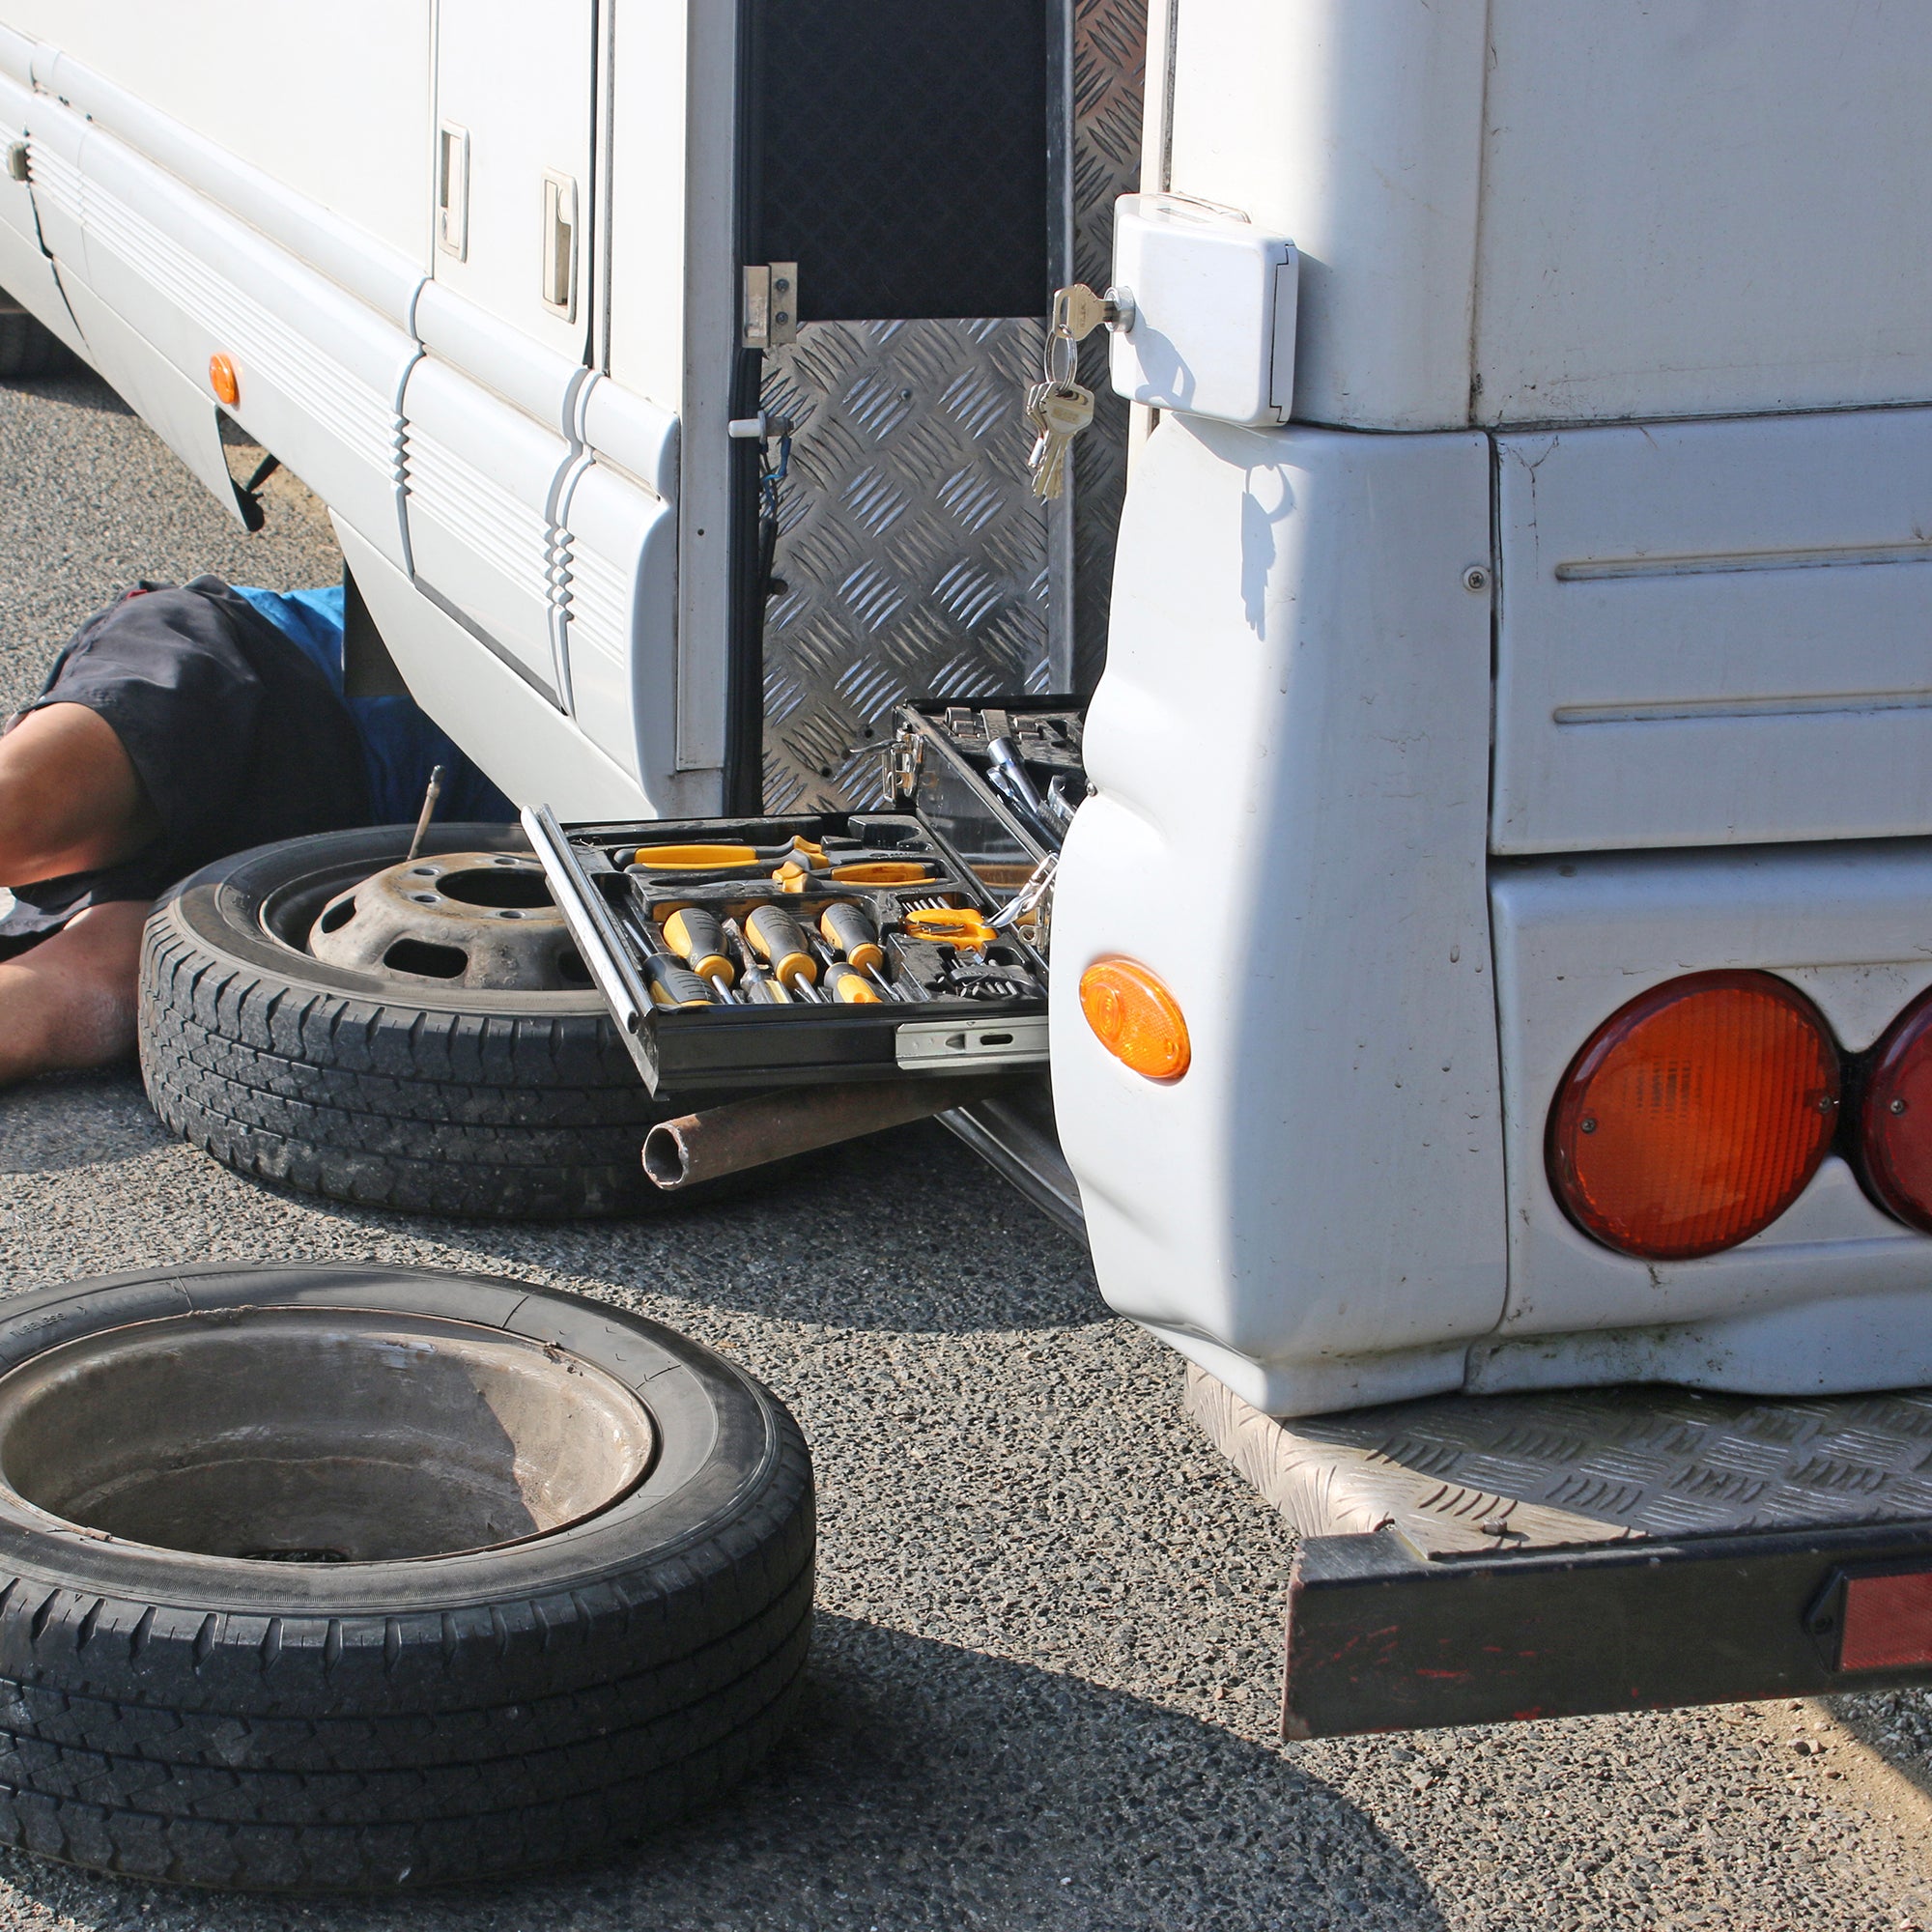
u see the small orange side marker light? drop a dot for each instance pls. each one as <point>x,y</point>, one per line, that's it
<point>221,380</point>
<point>1135,1018</point>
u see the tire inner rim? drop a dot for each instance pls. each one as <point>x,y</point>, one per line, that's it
<point>318,1435</point>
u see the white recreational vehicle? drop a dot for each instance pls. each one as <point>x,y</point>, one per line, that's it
<point>1495,951</point>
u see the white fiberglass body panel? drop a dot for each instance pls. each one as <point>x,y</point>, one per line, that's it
<point>1715,633</point>
<point>1518,212</point>
<point>333,108</point>
<point>670,187</point>
<point>529,747</point>
<point>481,478</point>
<point>621,546</point>
<point>1701,210</point>
<point>1290,746</point>
<point>1354,127</point>
<point>26,272</point>
<point>318,371</point>
<point>444,421</point>
<point>1846,924</point>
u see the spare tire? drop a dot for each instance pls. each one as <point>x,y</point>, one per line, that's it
<point>386,1089</point>
<point>323,1577</point>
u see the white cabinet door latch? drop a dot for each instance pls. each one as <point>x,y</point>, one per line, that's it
<point>1203,311</point>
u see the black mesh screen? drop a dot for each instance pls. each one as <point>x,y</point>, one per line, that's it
<point>901,155</point>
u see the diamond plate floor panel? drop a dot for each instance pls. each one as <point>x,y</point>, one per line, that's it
<point>1458,1473</point>
<point>912,551</point>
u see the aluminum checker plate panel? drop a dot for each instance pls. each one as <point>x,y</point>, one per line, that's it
<point>915,559</point>
<point>1455,1474</point>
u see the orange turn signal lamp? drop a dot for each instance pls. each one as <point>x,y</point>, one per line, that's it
<point>1135,1018</point>
<point>222,380</point>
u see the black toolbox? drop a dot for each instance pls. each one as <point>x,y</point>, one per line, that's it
<point>951,873</point>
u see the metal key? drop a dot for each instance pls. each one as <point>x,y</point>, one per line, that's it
<point>1063,413</point>
<point>1077,312</point>
<point>1035,396</point>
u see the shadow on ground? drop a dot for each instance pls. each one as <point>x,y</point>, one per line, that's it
<point>74,384</point>
<point>921,1786</point>
<point>77,1120</point>
<point>893,1232</point>
<point>1896,1724</point>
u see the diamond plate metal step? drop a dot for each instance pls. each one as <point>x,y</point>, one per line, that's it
<point>1461,1474</point>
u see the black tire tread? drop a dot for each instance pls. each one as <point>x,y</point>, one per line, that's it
<point>384,1104</point>
<point>416,1853</point>
<point>516,1728</point>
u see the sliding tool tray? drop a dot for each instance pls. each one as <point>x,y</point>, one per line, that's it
<point>942,970</point>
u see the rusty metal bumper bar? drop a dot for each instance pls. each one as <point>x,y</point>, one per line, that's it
<point>1381,1638</point>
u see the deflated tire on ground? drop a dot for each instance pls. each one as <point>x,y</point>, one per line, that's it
<point>323,1577</point>
<point>391,1082</point>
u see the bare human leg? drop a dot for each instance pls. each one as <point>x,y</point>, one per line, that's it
<point>68,1001</point>
<point>70,801</point>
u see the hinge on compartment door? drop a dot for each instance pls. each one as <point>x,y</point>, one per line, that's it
<point>771,306</point>
<point>901,760</point>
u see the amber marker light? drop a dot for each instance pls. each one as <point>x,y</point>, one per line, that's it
<point>1135,1018</point>
<point>1896,1117</point>
<point>221,380</point>
<point>1694,1115</point>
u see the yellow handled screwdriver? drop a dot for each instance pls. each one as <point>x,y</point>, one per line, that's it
<point>759,983</point>
<point>671,983</point>
<point>856,940</point>
<point>776,940</point>
<point>849,986</point>
<point>695,936</point>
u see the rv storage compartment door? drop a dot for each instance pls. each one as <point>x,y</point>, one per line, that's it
<point>481,481</point>
<point>512,163</point>
<point>1715,633</point>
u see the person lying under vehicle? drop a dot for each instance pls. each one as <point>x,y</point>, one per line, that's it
<point>179,724</point>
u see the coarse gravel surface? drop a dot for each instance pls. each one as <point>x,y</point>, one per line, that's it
<point>1047,1678</point>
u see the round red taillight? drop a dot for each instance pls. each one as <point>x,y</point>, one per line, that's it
<point>1694,1115</point>
<point>1896,1116</point>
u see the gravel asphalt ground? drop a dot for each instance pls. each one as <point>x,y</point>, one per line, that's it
<point>1047,1667</point>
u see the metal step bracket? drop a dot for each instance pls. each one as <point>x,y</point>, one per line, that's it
<point>771,306</point>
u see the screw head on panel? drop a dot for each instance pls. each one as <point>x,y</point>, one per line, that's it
<point>1475,578</point>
